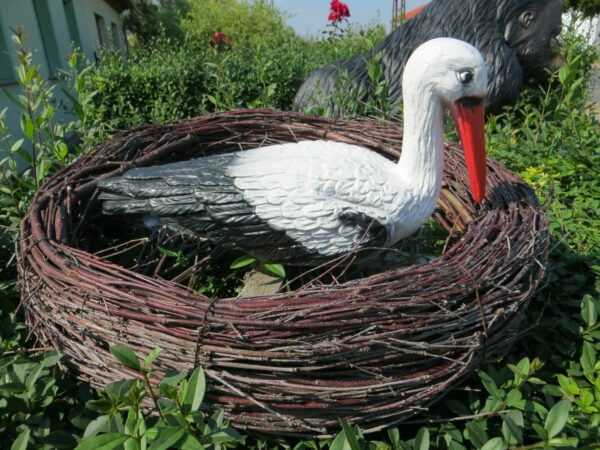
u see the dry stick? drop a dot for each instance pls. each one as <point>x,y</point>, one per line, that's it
<point>260,404</point>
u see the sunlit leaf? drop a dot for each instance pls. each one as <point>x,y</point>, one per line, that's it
<point>22,440</point>
<point>152,356</point>
<point>125,356</point>
<point>167,437</point>
<point>107,441</point>
<point>557,418</point>
<point>422,440</point>
<point>275,269</point>
<point>195,390</point>
<point>242,261</point>
<point>494,444</point>
<point>350,435</point>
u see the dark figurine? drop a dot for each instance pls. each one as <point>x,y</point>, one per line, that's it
<point>517,39</point>
<point>310,201</point>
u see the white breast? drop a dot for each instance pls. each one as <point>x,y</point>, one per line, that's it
<point>301,188</point>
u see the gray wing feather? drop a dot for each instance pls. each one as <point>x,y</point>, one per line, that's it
<point>198,197</point>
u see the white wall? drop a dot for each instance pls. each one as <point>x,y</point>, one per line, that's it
<point>589,28</point>
<point>85,13</point>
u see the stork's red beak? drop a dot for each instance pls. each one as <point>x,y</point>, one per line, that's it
<point>468,114</point>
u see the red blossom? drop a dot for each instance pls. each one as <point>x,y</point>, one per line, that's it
<point>338,11</point>
<point>220,41</point>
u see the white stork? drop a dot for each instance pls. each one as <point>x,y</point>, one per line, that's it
<point>302,202</point>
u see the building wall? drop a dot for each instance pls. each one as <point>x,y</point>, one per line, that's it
<point>52,27</point>
<point>86,11</point>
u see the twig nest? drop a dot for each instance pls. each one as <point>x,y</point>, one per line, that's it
<point>373,351</point>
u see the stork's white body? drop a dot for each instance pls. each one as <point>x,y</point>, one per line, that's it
<point>302,188</point>
<point>321,196</point>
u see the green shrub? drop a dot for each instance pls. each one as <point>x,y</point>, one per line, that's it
<point>552,138</point>
<point>167,81</point>
<point>161,83</point>
<point>148,20</point>
<point>245,22</point>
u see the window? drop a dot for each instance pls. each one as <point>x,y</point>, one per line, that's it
<point>42,11</point>
<point>72,22</point>
<point>101,27</point>
<point>115,35</point>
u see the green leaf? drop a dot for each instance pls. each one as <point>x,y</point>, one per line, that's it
<point>107,441</point>
<point>494,444</point>
<point>422,440</point>
<point>61,150</point>
<point>190,442</point>
<point>511,427</point>
<point>33,376</point>
<point>131,422</point>
<point>568,385</point>
<point>195,390</point>
<point>275,269</point>
<point>119,390</point>
<point>540,431</point>
<point>167,252</point>
<point>393,435</point>
<point>28,128</point>
<point>17,145</point>
<point>589,311</point>
<point>216,420</point>
<point>126,357</point>
<point>340,442</point>
<point>557,418</point>
<point>102,405</point>
<point>152,356</point>
<point>96,426</point>
<point>151,433</point>
<point>242,261</point>
<point>350,435</point>
<point>588,357</point>
<point>568,442</point>
<point>172,378</point>
<point>524,366</point>
<point>223,436</point>
<point>21,441</point>
<point>477,434</point>
<point>131,444</point>
<point>167,437</point>
<point>490,385</point>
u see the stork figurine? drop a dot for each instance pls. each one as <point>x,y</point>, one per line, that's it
<point>305,202</point>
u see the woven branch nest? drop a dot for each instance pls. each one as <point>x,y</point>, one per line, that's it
<point>373,351</point>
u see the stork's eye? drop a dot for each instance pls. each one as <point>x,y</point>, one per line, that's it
<point>465,76</point>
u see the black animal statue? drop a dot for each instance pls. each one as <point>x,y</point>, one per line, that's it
<point>517,39</point>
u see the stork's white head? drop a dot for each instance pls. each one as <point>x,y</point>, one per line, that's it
<point>453,73</point>
<point>451,68</point>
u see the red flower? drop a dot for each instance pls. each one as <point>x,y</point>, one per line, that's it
<point>338,11</point>
<point>220,41</point>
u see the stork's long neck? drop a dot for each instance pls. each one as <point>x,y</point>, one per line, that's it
<point>422,161</point>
